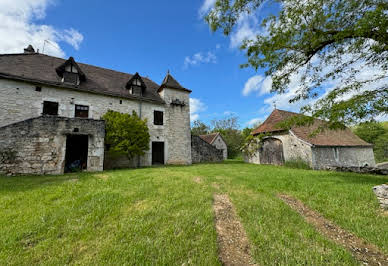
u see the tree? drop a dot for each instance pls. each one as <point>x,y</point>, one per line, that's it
<point>199,128</point>
<point>376,134</point>
<point>229,130</point>
<point>319,43</point>
<point>126,133</point>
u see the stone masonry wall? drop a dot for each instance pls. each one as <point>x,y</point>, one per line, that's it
<point>293,149</point>
<point>20,101</point>
<point>38,145</point>
<point>202,152</point>
<point>324,157</point>
<point>220,144</point>
<point>178,135</point>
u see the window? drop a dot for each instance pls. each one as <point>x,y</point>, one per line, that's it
<point>81,111</point>
<point>38,88</point>
<point>158,118</point>
<point>50,108</point>
<point>70,77</point>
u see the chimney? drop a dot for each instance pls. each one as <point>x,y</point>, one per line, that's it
<point>29,50</point>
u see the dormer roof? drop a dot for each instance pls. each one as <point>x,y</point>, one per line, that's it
<point>134,77</point>
<point>70,62</point>
<point>170,82</point>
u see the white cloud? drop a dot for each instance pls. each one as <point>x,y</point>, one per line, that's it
<point>254,122</point>
<point>246,29</point>
<point>196,107</point>
<point>206,7</point>
<point>228,113</point>
<point>19,28</point>
<point>257,84</point>
<point>200,58</point>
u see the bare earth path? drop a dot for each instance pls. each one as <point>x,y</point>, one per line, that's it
<point>233,244</point>
<point>362,251</point>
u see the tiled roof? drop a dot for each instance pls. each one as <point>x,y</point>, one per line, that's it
<point>170,82</point>
<point>327,137</point>
<point>210,137</point>
<point>40,68</point>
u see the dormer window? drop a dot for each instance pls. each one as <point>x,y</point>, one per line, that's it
<point>136,86</point>
<point>71,72</point>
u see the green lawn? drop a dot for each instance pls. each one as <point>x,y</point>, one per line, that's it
<point>161,216</point>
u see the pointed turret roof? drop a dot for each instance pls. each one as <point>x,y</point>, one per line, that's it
<point>170,82</point>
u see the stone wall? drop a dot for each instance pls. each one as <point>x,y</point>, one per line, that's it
<point>178,133</point>
<point>220,144</point>
<point>38,145</point>
<point>293,149</point>
<point>324,157</point>
<point>203,152</point>
<point>15,96</point>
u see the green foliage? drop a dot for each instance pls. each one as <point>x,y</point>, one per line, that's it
<point>126,133</point>
<point>199,128</point>
<point>297,164</point>
<point>376,134</point>
<point>229,129</point>
<point>319,43</point>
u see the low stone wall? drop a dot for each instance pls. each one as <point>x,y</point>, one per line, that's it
<point>202,152</point>
<point>38,145</point>
<point>361,170</point>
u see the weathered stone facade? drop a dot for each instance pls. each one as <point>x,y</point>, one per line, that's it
<point>34,84</point>
<point>220,144</point>
<point>202,152</point>
<point>38,145</point>
<point>318,157</point>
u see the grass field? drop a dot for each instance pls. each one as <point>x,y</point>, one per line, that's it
<point>164,215</point>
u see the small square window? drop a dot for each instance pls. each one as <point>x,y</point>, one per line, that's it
<point>158,118</point>
<point>38,88</point>
<point>50,108</point>
<point>82,111</point>
<point>121,101</point>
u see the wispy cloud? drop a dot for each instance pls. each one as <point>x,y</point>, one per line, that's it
<point>207,5</point>
<point>19,28</point>
<point>200,58</point>
<point>196,107</point>
<point>254,122</point>
<point>258,84</point>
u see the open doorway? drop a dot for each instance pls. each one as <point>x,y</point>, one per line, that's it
<point>76,153</point>
<point>157,153</point>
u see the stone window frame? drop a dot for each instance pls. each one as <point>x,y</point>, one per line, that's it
<point>45,108</point>
<point>157,121</point>
<point>84,108</point>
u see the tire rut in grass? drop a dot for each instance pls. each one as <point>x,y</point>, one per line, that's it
<point>233,244</point>
<point>362,251</point>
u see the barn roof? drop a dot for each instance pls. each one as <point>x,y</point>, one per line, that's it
<point>327,137</point>
<point>42,69</point>
<point>209,138</point>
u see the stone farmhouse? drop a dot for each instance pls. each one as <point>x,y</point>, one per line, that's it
<point>216,140</point>
<point>328,148</point>
<point>52,108</point>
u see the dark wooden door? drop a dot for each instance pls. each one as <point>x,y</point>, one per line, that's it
<point>157,152</point>
<point>272,152</point>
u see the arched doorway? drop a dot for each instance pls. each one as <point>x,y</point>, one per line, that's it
<point>271,152</point>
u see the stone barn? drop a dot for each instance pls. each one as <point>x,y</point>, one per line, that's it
<point>51,109</point>
<point>325,149</point>
<point>216,140</point>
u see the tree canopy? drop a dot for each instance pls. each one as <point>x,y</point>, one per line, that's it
<point>126,133</point>
<point>337,50</point>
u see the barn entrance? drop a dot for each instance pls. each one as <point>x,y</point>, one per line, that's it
<point>157,153</point>
<point>76,158</point>
<point>272,152</point>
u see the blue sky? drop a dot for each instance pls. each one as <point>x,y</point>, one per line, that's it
<point>149,37</point>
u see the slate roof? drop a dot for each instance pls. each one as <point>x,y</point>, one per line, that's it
<point>327,137</point>
<point>41,69</point>
<point>170,82</point>
<point>210,137</point>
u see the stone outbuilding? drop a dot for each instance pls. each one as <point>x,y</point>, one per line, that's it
<point>216,140</point>
<point>328,148</point>
<point>51,109</point>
